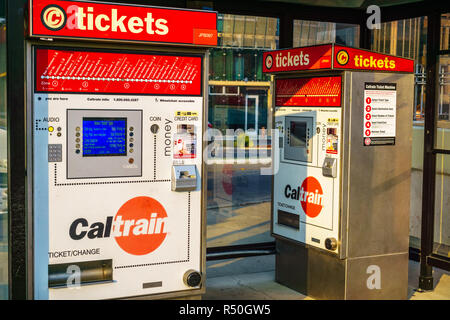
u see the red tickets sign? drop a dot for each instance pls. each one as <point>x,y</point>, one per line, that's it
<point>333,56</point>
<point>308,58</point>
<point>351,58</point>
<point>76,71</point>
<point>315,92</point>
<point>108,21</point>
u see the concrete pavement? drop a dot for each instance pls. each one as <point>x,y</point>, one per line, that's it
<point>253,278</point>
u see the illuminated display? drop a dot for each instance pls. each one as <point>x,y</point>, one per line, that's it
<point>104,137</point>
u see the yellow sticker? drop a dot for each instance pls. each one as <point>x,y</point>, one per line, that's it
<point>186,114</point>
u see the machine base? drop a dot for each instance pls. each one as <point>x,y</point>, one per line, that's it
<point>324,276</point>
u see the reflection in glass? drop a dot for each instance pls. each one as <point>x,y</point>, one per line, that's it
<point>406,38</point>
<point>308,33</point>
<point>441,244</point>
<point>238,204</point>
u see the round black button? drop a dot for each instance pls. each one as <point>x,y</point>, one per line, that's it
<point>131,134</point>
<point>193,279</point>
<point>330,243</point>
<point>131,145</point>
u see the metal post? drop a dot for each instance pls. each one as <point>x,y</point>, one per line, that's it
<point>16,148</point>
<point>429,158</point>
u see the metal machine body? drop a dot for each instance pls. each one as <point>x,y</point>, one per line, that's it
<point>109,126</point>
<point>341,195</point>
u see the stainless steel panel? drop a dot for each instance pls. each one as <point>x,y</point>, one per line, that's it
<point>378,183</point>
<point>392,271</point>
<point>310,271</point>
<point>345,164</point>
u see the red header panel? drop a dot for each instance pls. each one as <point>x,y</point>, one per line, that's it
<point>308,58</point>
<point>101,21</point>
<point>126,73</point>
<point>351,58</point>
<point>314,92</point>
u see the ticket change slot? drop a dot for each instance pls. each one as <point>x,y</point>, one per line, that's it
<point>117,175</point>
<point>341,192</point>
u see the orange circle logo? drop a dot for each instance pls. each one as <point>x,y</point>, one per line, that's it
<point>142,224</point>
<point>53,17</point>
<point>269,61</point>
<point>312,197</point>
<point>342,57</point>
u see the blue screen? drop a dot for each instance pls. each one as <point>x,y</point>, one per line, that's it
<point>104,137</point>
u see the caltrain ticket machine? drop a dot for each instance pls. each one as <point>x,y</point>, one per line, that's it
<point>341,183</point>
<point>116,115</point>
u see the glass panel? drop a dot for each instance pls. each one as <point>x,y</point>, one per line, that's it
<point>3,161</point>
<point>238,204</point>
<point>238,194</point>
<point>247,31</point>
<point>307,33</point>
<point>442,199</point>
<point>251,112</point>
<point>233,64</point>
<point>445,31</point>
<point>442,204</point>
<point>407,38</point>
<point>444,89</point>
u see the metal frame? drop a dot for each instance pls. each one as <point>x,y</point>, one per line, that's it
<point>18,245</point>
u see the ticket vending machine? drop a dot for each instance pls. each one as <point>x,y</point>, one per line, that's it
<point>341,185</point>
<point>116,115</point>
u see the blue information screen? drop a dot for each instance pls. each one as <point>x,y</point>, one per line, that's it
<point>104,137</point>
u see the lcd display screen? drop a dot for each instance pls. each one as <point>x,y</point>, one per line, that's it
<point>104,137</point>
<point>298,134</point>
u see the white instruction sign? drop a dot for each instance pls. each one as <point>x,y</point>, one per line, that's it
<point>380,108</point>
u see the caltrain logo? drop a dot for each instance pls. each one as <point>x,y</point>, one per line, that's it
<point>139,227</point>
<point>269,61</point>
<point>310,194</point>
<point>342,57</point>
<point>53,17</point>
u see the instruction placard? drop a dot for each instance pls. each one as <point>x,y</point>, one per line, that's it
<point>380,109</point>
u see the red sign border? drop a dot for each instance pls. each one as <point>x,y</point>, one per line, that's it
<point>34,35</point>
<point>335,46</point>
<point>63,48</point>
<point>339,47</point>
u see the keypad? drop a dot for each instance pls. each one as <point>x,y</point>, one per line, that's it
<point>55,153</point>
